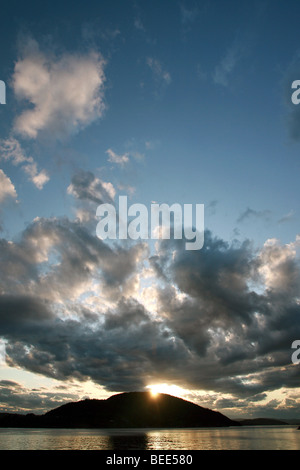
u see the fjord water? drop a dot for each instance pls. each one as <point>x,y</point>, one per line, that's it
<point>232,438</point>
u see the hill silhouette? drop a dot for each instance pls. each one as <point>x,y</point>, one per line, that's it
<point>262,422</point>
<point>125,410</point>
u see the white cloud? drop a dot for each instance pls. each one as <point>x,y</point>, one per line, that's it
<point>115,158</point>
<point>7,189</point>
<point>278,265</point>
<point>39,179</point>
<point>65,93</point>
<point>11,150</point>
<point>127,187</point>
<point>109,188</point>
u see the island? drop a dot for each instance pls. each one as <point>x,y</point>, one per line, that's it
<point>124,410</point>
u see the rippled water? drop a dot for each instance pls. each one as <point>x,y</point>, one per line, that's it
<point>240,438</point>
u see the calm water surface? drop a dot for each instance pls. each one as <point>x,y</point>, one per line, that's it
<point>241,438</point>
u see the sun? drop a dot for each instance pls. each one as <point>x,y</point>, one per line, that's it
<point>154,394</point>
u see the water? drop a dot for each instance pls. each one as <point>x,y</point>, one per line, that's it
<point>240,438</point>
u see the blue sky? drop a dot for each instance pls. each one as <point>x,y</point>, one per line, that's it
<point>183,102</point>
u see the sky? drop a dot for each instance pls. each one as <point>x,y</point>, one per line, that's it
<point>164,102</point>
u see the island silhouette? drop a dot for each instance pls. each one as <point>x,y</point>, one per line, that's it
<point>124,410</point>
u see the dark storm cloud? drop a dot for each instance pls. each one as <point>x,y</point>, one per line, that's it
<point>215,278</point>
<point>230,329</point>
<point>116,351</point>
<point>18,312</point>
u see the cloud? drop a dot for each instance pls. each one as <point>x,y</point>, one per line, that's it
<point>7,189</point>
<point>64,93</point>
<point>33,309</point>
<point>124,158</point>
<point>48,327</point>
<point>227,65</point>
<point>39,179</point>
<point>127,188</point>
<point>11,150</point>
<point>89,192</point>
<point>229,327</point>
<point>67,311</point>
<point>160,74</point>
<point>7,192</point>
<point>74,307</point>
<point>240,48</point>
<point>188,15</point>
<point>279,266</point>
<point>248,213</point>
<point>116,352</point>
<point>14,396</point>
<point>287,217</point>
<point>211,207</point>
<point>139,24</point>
<point>118,159</point>
<point>86,186</point>
<point>60,260</point>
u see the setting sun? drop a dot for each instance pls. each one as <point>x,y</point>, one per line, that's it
<point>154,394</point>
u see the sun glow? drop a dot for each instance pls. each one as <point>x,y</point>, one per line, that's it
<point>174,390</point>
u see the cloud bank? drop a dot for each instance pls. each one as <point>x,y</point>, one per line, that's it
<point>221,319</point>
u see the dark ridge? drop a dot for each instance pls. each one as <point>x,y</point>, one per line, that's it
<point>125,410</point>
<point>262,422</point>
